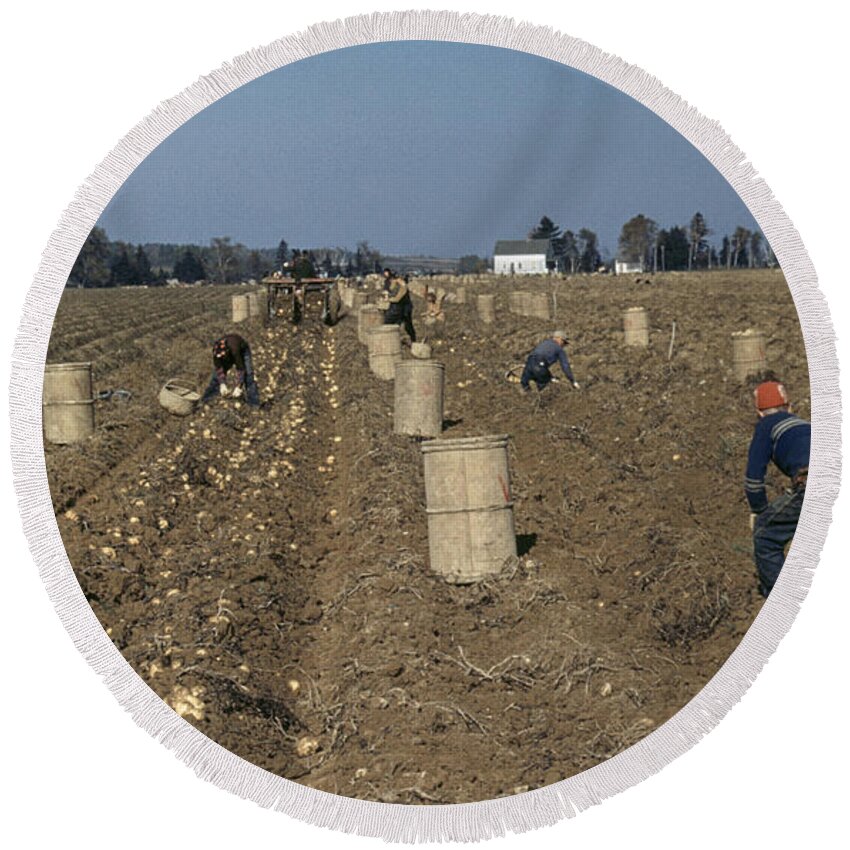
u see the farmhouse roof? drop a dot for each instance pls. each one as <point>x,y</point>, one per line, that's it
<point>513,247</point>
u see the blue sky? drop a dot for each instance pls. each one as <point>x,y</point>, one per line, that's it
<point>418,147</point>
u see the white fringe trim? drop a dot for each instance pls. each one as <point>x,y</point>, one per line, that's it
<point>409,823</point>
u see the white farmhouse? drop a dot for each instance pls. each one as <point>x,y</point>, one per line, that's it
<point>523,256</point>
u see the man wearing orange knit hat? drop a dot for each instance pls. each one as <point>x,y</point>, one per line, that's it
<point>785,439</point>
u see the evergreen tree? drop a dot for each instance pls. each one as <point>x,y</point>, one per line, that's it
<point>547,229</point>
<point>675,249</point>
<point>91,268</point>
<point>189,267</point>
<point>726,252</point>
<point>144,273</point>
<point>282,254</point>
<point>121,269</point>
<point>588,246</point>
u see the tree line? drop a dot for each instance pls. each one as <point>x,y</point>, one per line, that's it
<point>641,240</point>
<point>678,248</point>
<point>103,263</point>
<point>573,252</point>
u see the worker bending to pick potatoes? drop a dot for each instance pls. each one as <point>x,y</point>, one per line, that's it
<point>785,439</point>
<point>545,355</point>
<point>232,352</point>
<point>434,312</point>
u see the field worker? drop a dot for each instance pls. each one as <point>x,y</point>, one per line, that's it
<point>434,309</point>
<point>232,351</point>
<point>302,267</point>
<point>538,363</point>
<point>785,439</point>
<point>400,310</point>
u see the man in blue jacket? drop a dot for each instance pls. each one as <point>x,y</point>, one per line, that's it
<point>785,439</point>
<point>545,355</point>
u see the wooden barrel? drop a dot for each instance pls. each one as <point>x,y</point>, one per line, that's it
<point>537,305</point>
<point>384,350</point>
<point>368,316</point>
<point>748,353</point>
<point>359,298</point>
<point>240,308</point>
<point>516,302</point>
<point>636,327</point>
<point>254,304</point>
<point>418,407</point>
<point>67,403</point>
<point>487,308</point>
<point>470,513</point>
<point>460,295</point>
<point>346,293</point>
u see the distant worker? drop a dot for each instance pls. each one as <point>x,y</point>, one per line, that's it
<point>434,312</point>
<point>785,439</point>
<point>232,351</point>
<point>400,309</point>
<point>545,355</point>
<point>302,267</point>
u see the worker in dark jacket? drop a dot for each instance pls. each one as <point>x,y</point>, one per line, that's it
<point>785,439</point>
<point>400,309</point>
<point>232,352</point>
<point>302,267</point>
<point>545,355</point>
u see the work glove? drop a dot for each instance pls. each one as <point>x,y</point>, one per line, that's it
<point>576,385</point>
<point>223,390</point>
<point>237,393</point>
<point>753,518</point>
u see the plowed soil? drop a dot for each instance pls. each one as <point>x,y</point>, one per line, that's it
<point>266,571</point>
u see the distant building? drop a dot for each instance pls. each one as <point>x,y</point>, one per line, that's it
<point>522,256</point>
<point>622,267</point>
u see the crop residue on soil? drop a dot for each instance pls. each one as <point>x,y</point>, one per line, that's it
<point>266,571</point>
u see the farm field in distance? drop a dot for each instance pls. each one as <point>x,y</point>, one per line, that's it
<point>266,572</point>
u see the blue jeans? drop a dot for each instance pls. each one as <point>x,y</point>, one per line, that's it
<point>535,370</point>
<point>774,528</point>
<point>252,394</point>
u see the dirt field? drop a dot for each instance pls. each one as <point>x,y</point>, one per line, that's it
<point>266,572</point>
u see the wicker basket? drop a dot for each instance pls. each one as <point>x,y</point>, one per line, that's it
<point>178,397</point>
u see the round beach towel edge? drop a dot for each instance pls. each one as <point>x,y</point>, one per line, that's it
<point>472,821</point>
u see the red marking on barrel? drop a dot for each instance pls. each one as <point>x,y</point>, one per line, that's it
<point>506,491</point>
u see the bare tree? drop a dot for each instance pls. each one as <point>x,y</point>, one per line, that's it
<point>755,252</point>
<point>224,256</point>
<point>740,238</point>
<point>697,233</point>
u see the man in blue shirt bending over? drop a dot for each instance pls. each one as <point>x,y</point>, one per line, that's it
<point>785,439</point>
<point>539,361</point>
